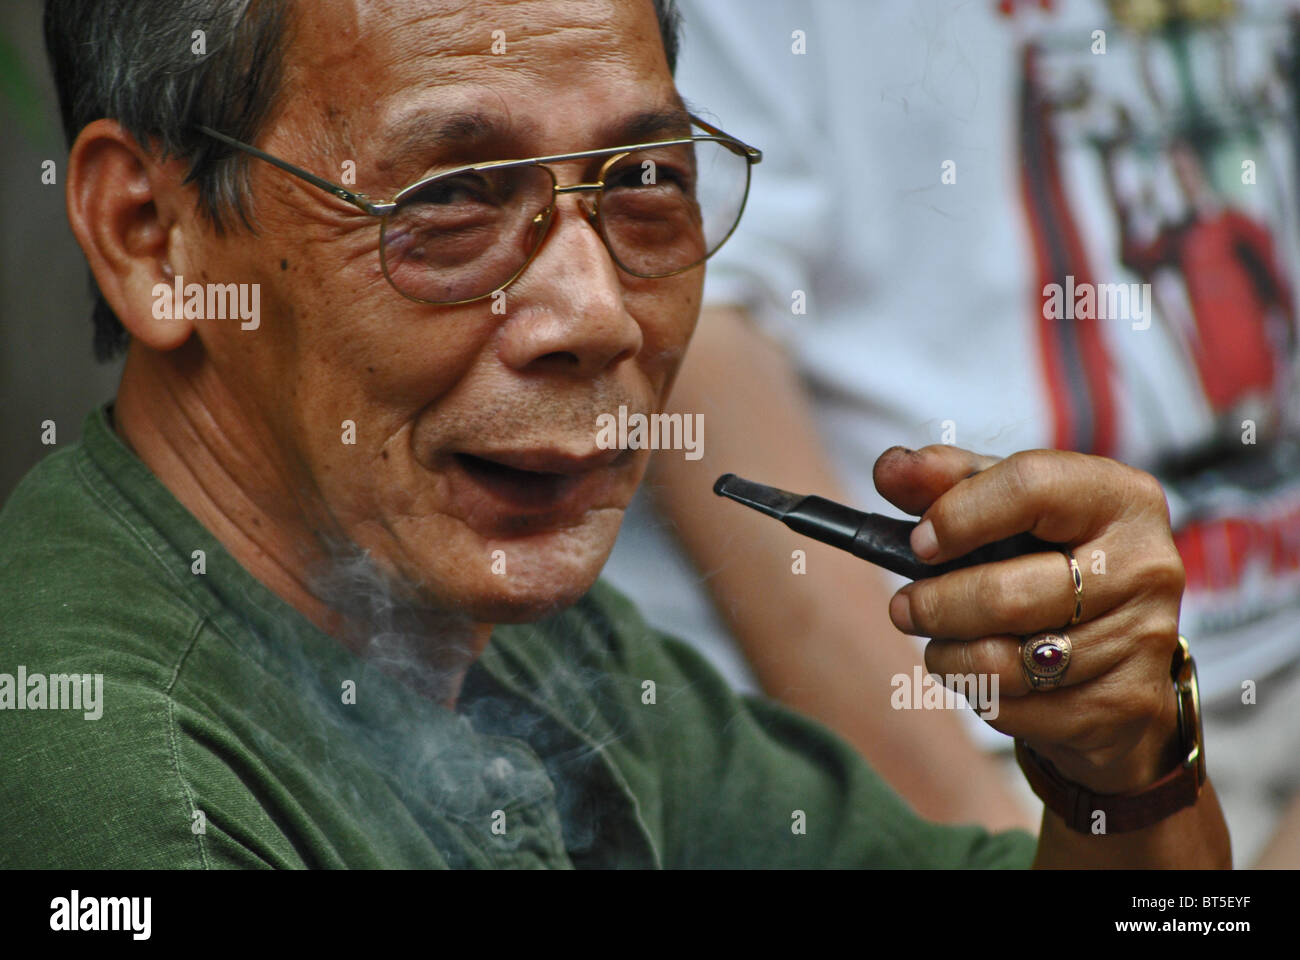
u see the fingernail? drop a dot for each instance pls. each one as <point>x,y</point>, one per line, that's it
<point>924,543</point>
<point>897,449</point>
<point>900,611</point>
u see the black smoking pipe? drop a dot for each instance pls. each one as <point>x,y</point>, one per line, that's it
<point>882,540</point>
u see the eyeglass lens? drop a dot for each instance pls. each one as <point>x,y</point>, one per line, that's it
<point>662,210</point>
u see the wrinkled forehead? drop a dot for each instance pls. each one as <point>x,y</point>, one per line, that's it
<point>544,75</point>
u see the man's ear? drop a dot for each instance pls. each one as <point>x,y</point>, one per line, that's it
<point>121,206</point>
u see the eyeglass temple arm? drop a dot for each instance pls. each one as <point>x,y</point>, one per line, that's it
<point>754,154</point>
<point>362,202</point>
<point>358,200</point>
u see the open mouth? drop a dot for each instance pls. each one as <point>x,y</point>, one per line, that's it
<point>522,489</point>
<point>501,492</point>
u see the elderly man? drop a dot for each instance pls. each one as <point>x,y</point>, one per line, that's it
<point>283,548</point>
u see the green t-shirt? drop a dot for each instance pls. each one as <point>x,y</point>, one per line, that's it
<point>224,736</point>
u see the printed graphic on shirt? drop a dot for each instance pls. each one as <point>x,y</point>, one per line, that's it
<point>1186,124</point>
<point>1158,175</point>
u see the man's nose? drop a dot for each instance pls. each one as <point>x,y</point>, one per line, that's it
<point>565,313</point>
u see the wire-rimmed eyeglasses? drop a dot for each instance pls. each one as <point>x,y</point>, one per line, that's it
<point>462,234</point>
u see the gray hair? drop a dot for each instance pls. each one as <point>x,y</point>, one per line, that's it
<point>134,61</point>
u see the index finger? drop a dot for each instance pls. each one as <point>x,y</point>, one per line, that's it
<point>1056,495</point>
<point>913,479</point>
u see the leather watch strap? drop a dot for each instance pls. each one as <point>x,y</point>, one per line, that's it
<point>1124,812</point>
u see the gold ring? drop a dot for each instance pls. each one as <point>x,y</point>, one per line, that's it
<point>1076,580</point>
<point>1045,657</point>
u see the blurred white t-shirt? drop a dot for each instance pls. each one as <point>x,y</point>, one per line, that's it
<point>924,319</point>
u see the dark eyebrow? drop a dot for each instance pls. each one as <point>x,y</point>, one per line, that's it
<point>648,125</point>
<point>470,135</point>
<point>456,135</point>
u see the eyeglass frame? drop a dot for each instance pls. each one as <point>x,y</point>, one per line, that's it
<point>385,208</point>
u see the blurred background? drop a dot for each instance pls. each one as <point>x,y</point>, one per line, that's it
<point>47,370</point>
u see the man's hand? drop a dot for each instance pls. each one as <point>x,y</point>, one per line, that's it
<point>1111,724</point>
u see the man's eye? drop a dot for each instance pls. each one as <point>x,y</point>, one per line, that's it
<point>646,174</point>
<point>463,189</point>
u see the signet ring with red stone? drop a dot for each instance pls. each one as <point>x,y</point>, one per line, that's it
<point>1045,657</point>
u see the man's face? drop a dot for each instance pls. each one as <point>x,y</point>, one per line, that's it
<point>474,430</point>
<point>1187,168</point>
